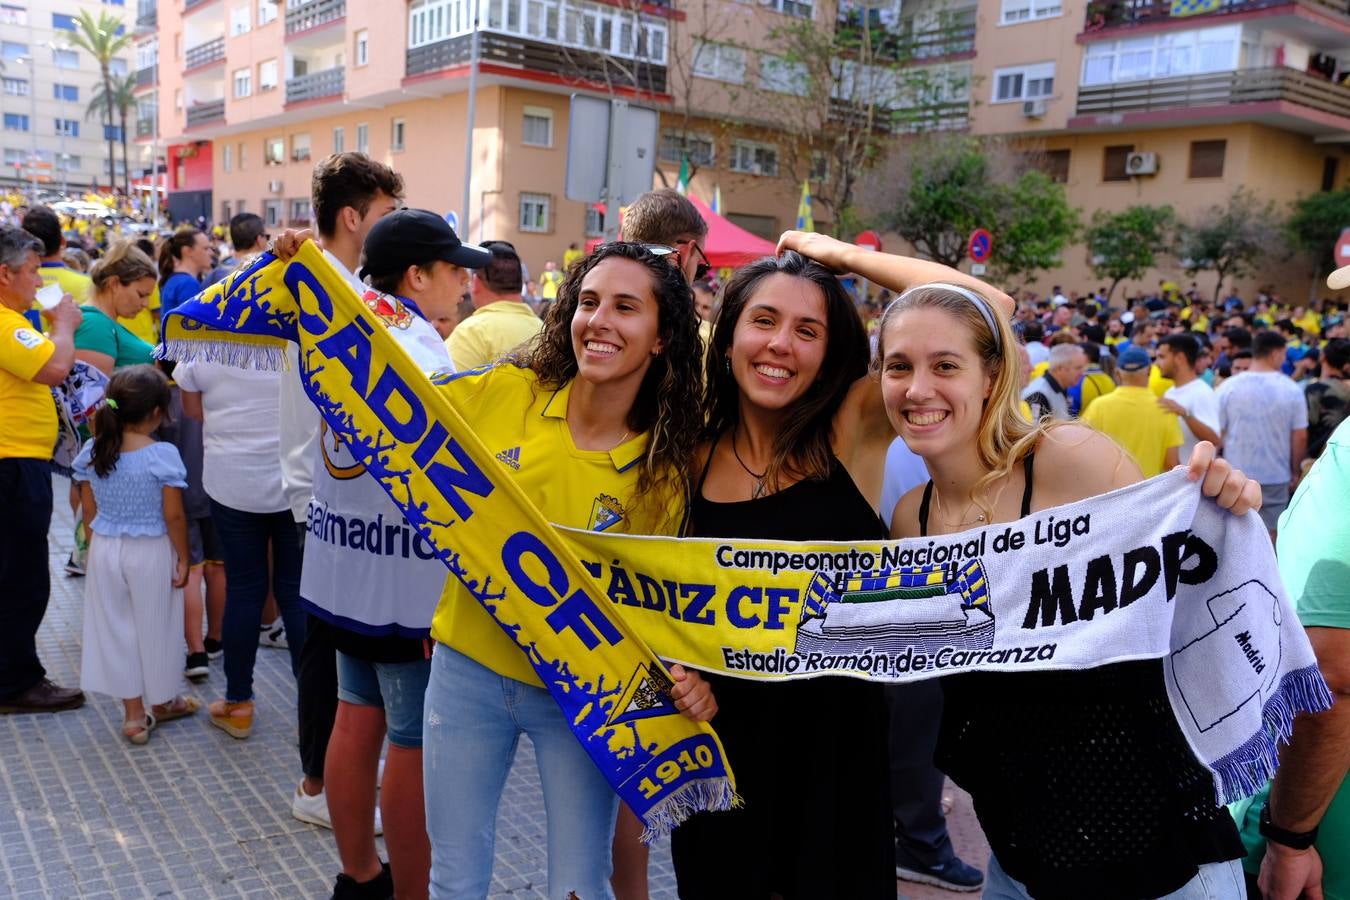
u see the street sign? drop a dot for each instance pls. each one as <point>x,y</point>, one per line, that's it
<point>597,164</point>
<point>452,219</point>
<point>1343,248</point>
<point>980,246</point>
<point>977,269</point>
<point>870,240</point>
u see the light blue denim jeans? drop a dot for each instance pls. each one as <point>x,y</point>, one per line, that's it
<point>473,719</point>
<point>1214,881</point>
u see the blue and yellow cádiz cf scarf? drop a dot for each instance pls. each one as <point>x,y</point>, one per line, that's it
<point>1151,571</point>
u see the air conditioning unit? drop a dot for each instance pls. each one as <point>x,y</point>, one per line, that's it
<point>275,186</point>
<point>1033,109</point>
<point>1141,164</point>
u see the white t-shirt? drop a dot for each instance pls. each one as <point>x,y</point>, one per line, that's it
<point>1259,411</point>
<point>1037,353</point>
<point>241,434</point>
<point>1198,399</point>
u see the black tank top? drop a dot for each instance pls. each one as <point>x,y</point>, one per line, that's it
<point>1082,780</point>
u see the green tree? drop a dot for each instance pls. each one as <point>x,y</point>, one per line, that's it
<point>1230,238</point>
<point>1316,222</point>
<point>1125,244</point>
<point>1033,223</point>
<point>122,101</point>
<point>103,38</point>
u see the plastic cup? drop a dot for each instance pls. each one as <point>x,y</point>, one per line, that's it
<point>50,295</point>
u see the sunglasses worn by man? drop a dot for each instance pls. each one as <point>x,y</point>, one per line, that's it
<point>700,272</point>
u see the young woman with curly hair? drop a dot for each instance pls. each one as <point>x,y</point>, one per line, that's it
<point>596,419</point>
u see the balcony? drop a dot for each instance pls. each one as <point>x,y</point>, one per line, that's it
<point>1102,14</point>
<point>147,16</point>
<point>514,52</point>
<point>147,77</point>
<point>325,83</point>
<point>189,5</point>
<point>145,128</point>
<point>901,42</point>
<point>204,54</point>
<point>308,14</point>
<point>205,112</point>
<point>1281,96</point>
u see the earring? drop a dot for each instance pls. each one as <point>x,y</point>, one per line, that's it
<point>726,364</point>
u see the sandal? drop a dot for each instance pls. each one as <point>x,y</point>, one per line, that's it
<point>138,732</point>
<point>178,708</point>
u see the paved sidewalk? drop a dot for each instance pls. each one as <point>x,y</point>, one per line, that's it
<point>197,814</point>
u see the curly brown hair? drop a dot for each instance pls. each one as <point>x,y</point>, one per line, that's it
<point>667,403</point>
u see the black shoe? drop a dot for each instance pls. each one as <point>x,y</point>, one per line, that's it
<point>197,666</point>
<point>954,875</point>
<point>213,648</point>
<point>44,697</point>
<point>381,887</point>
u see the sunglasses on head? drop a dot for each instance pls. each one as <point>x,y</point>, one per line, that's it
<point>700,271</point>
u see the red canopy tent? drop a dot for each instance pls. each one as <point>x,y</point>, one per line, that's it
<point>727,245</point>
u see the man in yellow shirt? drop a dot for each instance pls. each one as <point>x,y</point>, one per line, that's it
<point>501,319</point>
<point>29,364</point>
<point>1131,416</point>
<point>44,225</point>
<point>571,255</point>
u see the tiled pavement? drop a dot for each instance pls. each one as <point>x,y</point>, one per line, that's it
<point>197,814</point>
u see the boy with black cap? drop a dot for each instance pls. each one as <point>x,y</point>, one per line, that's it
<point>378,593</point>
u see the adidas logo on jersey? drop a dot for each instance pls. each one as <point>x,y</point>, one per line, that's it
<point>511,457</point>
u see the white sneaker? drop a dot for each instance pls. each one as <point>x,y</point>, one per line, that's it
<point>314,810</point>
<point>273,635</point>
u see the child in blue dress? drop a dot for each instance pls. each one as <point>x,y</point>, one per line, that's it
<point>131,487</point>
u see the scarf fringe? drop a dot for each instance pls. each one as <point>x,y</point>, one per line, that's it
<point>703,795</point>
<point>1243,772</point>
<point>264,357</point>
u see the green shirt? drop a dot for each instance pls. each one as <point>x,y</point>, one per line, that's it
<point>1314,558</point>
<point>100,334</point>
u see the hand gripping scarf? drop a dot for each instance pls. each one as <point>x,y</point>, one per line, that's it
<point>1149,571</point>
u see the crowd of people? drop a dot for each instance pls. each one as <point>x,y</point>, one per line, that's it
<point>771,406</point>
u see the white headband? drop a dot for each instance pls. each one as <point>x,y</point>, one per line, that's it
<point>981,304</point>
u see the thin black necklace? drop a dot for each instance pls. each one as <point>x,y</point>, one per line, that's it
<point>758,476</point>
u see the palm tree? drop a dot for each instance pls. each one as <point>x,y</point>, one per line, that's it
<point>103,38</point>
<point>123,101</point>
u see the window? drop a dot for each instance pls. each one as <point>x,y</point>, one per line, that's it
<point>300,147</point>
<point>1113,162</point>
<point>240,207</point>
<point>339,140</point>
<point>63,22</point>
<point>147,54</point>
<point>538,130</point>
<point>1329,166</point>
<point>754,158</point>
<point>721,62</point>
<point>13,15</point>
<point>362,53</point>
<point>243,157</point>
<point>13,51</point>
<point>783,77</point>
<point>16,87</point>
<point>178,99</point>
<point>1166,55</point>
<point>69,92</point>
<point>112,132</point>
<point>65,59</point>
<point>1055,163</point>
<point>1025,10</point>
<point>226,211</point>
<point>363,138</point>
<point>698,147</point>
<point>534,209</point>
<point>119,170</point>
<point>820,167</point>
<point>13,156</point>
<point>227,158</point>
<point>239,20</point>
<point>267,75</point>
<point>397,132</point>
<point>117,66</point>
<point>272,213</point>
<point>1207,159</point>
<point>274,151</point>
<point>72,162</point>
<point>16,122</point>
<point>300,212</point>
<point>69,127</point>
<point>1024,83</point>
<point>595,222</point>
<point>267,11</point>
<point>797,8</point>
<point>243,83</point>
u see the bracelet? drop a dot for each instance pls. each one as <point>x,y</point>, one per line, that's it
<point>1294,840</point>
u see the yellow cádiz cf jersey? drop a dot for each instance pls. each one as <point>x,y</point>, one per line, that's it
<point>524,425</point>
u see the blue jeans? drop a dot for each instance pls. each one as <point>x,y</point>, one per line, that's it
<point>1214,881</point>
<point>474,719</point>
<point>397,688</point>
<point>244,539</point>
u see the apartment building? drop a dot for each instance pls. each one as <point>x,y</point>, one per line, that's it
<point>1136,102</point>
<point>47,86</point>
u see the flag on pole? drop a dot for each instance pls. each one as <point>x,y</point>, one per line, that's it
<point>805,221</point>
<point>683,184</point>
<point>717,199</point>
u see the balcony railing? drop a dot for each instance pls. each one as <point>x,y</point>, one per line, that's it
<point>204,54</point>
<point>1115,13</point>
<point>901,42</point>
<point>312,14</point>
<point>209,111</point>
<point>147,77</point>
<point>325,83</point>
<point>538,56</point>
<point>146,128</point>
<point>1220,89</point>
